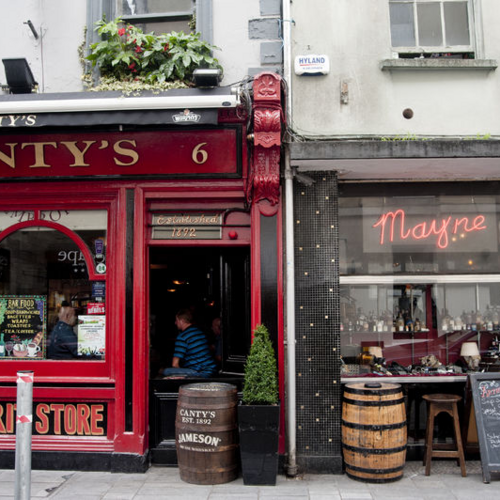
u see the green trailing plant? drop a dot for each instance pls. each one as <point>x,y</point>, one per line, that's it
<point>128,54</point>
<point>260,386</point>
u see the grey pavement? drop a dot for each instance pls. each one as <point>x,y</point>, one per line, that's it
<point>445,482</point>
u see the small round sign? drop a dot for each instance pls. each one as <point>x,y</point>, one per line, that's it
<point>101,268</point>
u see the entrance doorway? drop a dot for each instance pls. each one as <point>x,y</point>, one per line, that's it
<point>214,282</point>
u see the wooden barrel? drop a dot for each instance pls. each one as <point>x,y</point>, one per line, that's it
<point>374,432</point>
<point>206,433</point>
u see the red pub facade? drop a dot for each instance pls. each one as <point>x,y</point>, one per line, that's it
<point>130,212</point>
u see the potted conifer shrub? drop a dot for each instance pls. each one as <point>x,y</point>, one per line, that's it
<point>259,413</point>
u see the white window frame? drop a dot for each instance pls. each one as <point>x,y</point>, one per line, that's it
<point>474,31</point>
<point>97,8</point>
<point>156,17</point>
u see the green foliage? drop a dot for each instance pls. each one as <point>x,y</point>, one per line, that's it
<point>126,53</point>
<point>407,137</point>
<point>260,386</point>
<point>132,87</point>
<point>478,137</point>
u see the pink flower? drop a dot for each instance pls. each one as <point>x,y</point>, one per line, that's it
<point>138,49</point>
<point>121,31</point>
<point>165,47</point>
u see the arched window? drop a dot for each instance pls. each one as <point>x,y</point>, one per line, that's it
<point>52,267</point>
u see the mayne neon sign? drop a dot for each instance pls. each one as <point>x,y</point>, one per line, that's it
<point>394,225</point>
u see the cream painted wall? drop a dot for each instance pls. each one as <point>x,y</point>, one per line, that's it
<point>53,58</point>
<point>355,34</point>
<point>230,27</point>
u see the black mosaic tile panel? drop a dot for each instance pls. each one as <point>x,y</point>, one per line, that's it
<point>317,316</point>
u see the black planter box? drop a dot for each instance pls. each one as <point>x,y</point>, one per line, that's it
<point>259,427</point>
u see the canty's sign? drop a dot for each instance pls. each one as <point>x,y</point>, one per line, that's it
<point>176,152</point>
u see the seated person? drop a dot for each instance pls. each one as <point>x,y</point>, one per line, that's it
<point>63,342</point>
<point>191,350</point>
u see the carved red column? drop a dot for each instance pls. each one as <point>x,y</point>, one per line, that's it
<point>264,179</point>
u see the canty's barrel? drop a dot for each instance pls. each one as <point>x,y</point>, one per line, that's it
<point>374,435</point>
<point>206,433</point>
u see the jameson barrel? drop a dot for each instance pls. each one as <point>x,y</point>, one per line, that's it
<point>374,432</point>
<point>206,433</point>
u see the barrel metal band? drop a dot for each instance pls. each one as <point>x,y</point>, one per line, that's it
<point>375,471</point>
<point>391,402</point>
<point>375,480</point>
<point>374,451</point>
<point>368,392</point>
<point>369,427</point>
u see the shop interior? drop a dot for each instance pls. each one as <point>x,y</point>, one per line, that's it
<point>405,329</point>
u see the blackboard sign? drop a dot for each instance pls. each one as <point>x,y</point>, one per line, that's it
<point>486,396</point>
<point>22,321</point>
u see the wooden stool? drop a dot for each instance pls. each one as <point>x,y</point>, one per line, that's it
<point>437,403</point>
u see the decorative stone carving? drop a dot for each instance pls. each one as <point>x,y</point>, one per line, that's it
<point>264,178</point>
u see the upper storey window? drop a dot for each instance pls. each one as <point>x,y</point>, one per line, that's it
<point>432,28</point>
<point>160,16</point>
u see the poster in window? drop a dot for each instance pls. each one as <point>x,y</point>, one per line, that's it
<point>23,325</point>
<point>92,336</point>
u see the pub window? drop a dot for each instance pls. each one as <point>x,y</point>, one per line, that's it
<point>43,276</point>
<point>432,28</point>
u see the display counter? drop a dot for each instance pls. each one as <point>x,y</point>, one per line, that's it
<point>408,379</point>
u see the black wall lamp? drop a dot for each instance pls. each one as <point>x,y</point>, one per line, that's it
<point>20,79</point>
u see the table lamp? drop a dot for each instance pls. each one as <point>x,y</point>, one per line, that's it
<point>470,352</point>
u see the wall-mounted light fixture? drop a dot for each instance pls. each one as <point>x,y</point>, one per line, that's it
<point>207,77</point>
<point>32,28</point>
<point>19,76</point>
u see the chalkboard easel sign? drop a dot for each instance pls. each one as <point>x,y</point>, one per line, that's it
<point>486,396</point>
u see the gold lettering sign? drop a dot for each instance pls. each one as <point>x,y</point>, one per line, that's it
<point>59,419</point>
<point>187,226</point>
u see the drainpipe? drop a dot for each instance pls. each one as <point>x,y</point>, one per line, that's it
<point>290,390</point>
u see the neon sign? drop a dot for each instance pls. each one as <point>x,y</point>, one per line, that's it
<point>393,225</point>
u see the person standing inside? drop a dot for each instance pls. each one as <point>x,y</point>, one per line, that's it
<point>63,342</point>
<point>192,355</point>
<point>217,345</point>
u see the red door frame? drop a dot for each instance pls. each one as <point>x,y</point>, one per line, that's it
<point>195,195</point>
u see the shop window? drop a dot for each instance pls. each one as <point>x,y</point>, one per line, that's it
<point>42,272</point>
<point>420,277</point>
<point>406,323</point>
<point>432,28</point>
